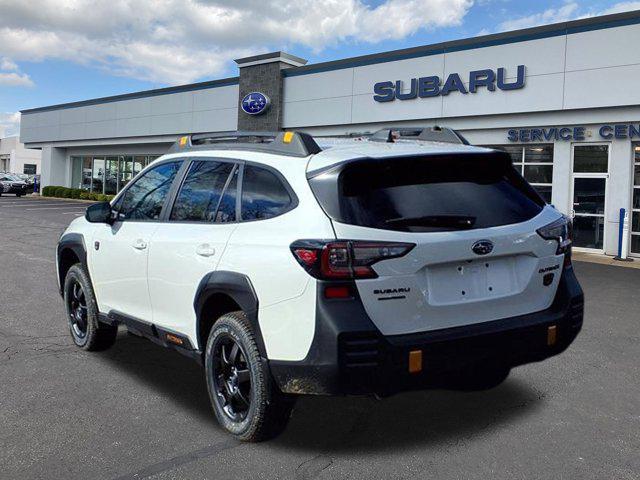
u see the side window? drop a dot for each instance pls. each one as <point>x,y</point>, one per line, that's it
<point>144,199</point>
<point>227,209</point>
<point>201,191</point>
<point>263,194</point>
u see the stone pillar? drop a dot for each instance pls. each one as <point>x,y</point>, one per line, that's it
<point>263,73</point>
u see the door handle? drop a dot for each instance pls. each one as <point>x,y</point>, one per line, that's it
<point>140,244</point>
<point>205,250</point>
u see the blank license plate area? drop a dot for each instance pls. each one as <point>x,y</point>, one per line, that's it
<point>458,282</point>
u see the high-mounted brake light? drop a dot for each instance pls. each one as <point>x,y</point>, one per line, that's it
<point>560,230</point>
<point>345,260</point>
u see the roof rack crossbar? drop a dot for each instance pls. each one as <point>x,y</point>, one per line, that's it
<point>427,134</point>
<point>295,144</point>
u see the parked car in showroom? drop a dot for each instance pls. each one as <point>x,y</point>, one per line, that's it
<point>410,260</point>
<point>13,185</point>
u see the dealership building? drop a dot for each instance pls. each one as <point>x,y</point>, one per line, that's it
<point>563,100</point>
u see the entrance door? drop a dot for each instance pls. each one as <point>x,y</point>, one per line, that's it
<point>590,177</point>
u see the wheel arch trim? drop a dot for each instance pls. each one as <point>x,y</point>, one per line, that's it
<point>237,287</point>
<point>73,242</point>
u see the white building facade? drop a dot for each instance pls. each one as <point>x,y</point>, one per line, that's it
<point>561,99</point>
<point>15,158</point>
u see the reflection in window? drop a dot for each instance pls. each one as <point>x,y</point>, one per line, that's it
<point>98,175</point>
<point>227,209</point>
<point>145,198</point>
<point>535,163</point>
<point>263,194</point>
<point>201,191</point>
<point>111,176</point>
<point>591,158</point>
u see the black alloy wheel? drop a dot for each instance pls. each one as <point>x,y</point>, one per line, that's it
<point>86,330</point>
<point>232,378</point>
<point>77,309</point>
<point>244,398</point>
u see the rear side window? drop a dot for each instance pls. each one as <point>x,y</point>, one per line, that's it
<point>429,194</point>
<point>263,194</point>
<point>201,191</point>
<point>144,199</point>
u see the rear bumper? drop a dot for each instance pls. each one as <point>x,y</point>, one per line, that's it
<point>350,356</point>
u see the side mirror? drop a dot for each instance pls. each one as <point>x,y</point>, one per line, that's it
<point>99,213</point>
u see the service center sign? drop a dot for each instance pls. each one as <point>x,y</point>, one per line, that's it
<point>426,87</point>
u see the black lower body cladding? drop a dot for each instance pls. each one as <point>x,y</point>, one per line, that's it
<point>349,355</point>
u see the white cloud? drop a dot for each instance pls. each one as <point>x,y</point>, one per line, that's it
<point>7,64</point>
<point>551,15</point>
<point>621,7</point>
<point>11,76</point>
<point>13,79</point>
<point>9,123</point>
<point>176,41</point>
<point>571,10</point>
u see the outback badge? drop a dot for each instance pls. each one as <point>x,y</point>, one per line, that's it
<point>482,247</point>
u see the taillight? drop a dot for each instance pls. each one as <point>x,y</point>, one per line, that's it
<point>560,230</point>
<point>345,260</point>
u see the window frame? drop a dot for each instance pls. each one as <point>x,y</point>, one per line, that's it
<point>635,162</point>
<point>163,212</point>
<point>189,161</point>
<point>283,181</point>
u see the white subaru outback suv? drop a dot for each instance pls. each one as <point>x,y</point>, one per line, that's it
<point>407,260</point>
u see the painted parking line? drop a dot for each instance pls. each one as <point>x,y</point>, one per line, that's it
<point>59,207</point>
<point>2,204</point>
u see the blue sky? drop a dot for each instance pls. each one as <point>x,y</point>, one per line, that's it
<point>56,51</point>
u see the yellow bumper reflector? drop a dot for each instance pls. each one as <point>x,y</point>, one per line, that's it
<point>288,137</point>
<point>552,335</point>
<point>183,141</point>
<point>174,339</point>
<point>415,361</point>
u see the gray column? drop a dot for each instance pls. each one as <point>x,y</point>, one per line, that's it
<point>54,169</point>
<point>263,73</point>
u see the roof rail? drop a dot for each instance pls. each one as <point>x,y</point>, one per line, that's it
<point>427,134</point>
<point>295,144</point>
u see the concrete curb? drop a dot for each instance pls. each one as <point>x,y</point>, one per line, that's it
<point>603,260</point>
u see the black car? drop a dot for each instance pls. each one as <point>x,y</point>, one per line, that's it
<point>12,184</point>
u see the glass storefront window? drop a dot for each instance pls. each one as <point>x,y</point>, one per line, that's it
<point>635,205</point>
<point>111,176</point>
<point>535,163</point>
<point>591,159</point>
<point>106,174</point>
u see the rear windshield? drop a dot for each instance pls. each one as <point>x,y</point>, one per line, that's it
<point>428,194</point>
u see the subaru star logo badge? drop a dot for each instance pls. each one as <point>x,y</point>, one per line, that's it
<point>255,103</point>
<point>482,247</point>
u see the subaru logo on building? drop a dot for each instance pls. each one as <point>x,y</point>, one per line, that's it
<point>255,103</point>
<point>482,247</point>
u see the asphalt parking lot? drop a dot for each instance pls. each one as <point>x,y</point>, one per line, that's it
<point>139,411</point>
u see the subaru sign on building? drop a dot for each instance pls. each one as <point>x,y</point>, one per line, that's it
<point>255,103</point>
<point>561,99</point>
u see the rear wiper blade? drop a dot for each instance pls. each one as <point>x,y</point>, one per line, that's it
<point>458,222</point>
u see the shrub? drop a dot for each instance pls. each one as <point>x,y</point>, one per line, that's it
<point>76,193</point>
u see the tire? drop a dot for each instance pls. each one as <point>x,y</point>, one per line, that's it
<point>18,195</point>
<point>480,378</point>
<point>245,401</point>
<point>82,313</point>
